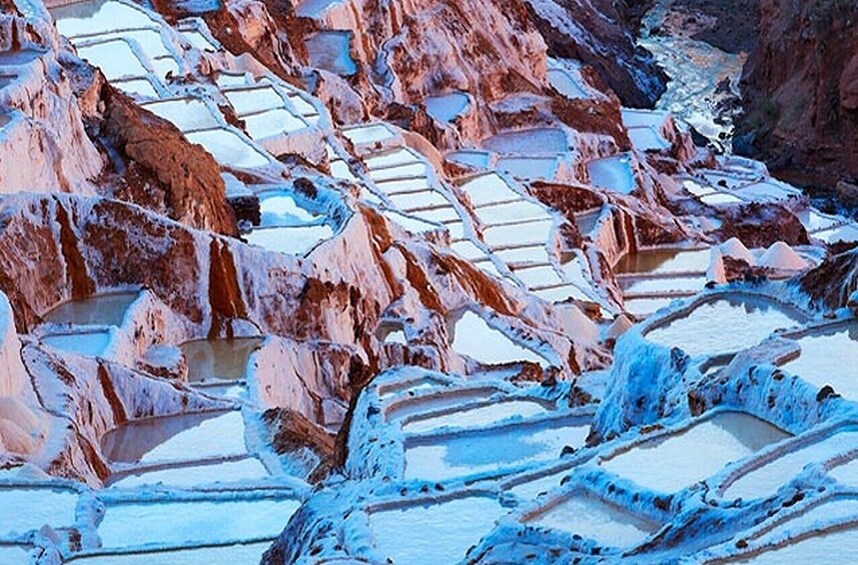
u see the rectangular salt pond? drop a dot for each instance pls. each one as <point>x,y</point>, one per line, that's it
<point>137,87</point>
<point>637,286</point>
<point>467,250</point>
<point>97,310</point>
<point>565,84</point>
<point>491,450</point>
<point>664,261</point>
<point>478,159</point>
<point>720,199</point>
<point>148,40</point>
<point>187,114</point>
<point>115,59</point>
<point>447,107</point>
<point>847,233</point>
<point>829,357</point>
<point>814,221</point>
<point>543,276</point>
<point>634,118</point>
<point>369,134</point>
<point>529,141</point>
<point>480,416</point>
<point>228,148</point>
<point>272,123</point>
<point>647,139</point>
<point>422,384</point>
<point>219,359</point>
<point>406,186</point>
<point>591,518</point>
<point>410,170</point>
<point>101,16</point>
<point>440,215</point>
<point>644,307</point>
<point>297,240</point>
<point>766,479</point>
<point>489,189</point>
<point>436,402</point>
<point>254,100</point>
<point>671,463</point>
<point>524,255</point>
<point>26,509</point>
<point>394,158</point>
<point>586,221</point>
<point>433,532</point>
<point>613,173</point>
<point>186,437</point>
<point>473,337</point>
<point>329,50</point>
<point>279,208</point>
<point>178,524</point>
<point>238,553</point>
<point>518,235</point>
<point>835,548</point>
<point>90,344</point>
<point>419,200</point>
<point>725,325</point>
<point>518,211</point>
<point>247,469</point>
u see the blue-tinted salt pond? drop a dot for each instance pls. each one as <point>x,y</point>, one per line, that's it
<point>447,107</point>
<point>219,360</point>
<point>238,553</point>
<point>671,463</point>
<point>101,309</point>
<point>14,554</point>
<point>613,173</point>
<point>433,533</point>
<point>837,547</point>
<point>177,438</point>
<point>591,518</point>
<point>491,450</point>
<point>529,167</point>
<point>766,479</point>
<point>829,357</point>
<point>100,16</point>
<point>724,325</point>
<point>25,509</point>
<point>247,469</point>
<point>529,141</point>
<point>177,524</point>
<point>329,50</point>
<point>479,416</point>
<point>92,344</point>
<point>586,221</point>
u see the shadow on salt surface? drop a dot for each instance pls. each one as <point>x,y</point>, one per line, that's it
<point>432,532</point>
<point>237,553</point>
<point>700,328</point>
<point>581,513</point>
<point>493,451</point>
<point>676,460</point>
<point>29,508</point>
<point>475,338</point>
<point>183,437</point>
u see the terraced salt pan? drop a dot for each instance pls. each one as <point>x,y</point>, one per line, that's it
<point>100,309</point>
<point>437,402</point>
<point>764,191</point>
<point>834,548</point>
<point>329,50</point>
<point>518,235</point>
<point>586,221</point>
<point>489,189</point>
<point>394,158</point>
<point>218,359</point>
<point>186,437</point>
<point>441,215</point>
<point>387,391</point>
<point>725,180</point>
<point>591,518</point>
<point>529,168</point>
<point>614,173</point>
<point>846,474</point>
<point>473,337</point>
<point>814,221</point>
<point>765,480</point>
<point>137,87</point>
<point>247,469</point>
<point>480,416</point>
<point>647,139</point>
<point>847,233</point>
<point>495,450</point>
<point>524,255</point>
<point>297,240</point>
<point>671,463</point>
<point>239,553</point>
<point>101,16</point>
<point>200,41</point>
<point>228,148</point>
<point>369,134</point>
<point>419,200</point>
<point>633,118</point>
<point>13,554</point>
<point>829,357</point>
<point>447,107</point>
<point>254,100</point>
<point>644,307</point>
<point>511,212</point>
<point>149,41</point>
<point>272,123</point>
<point>411,170</point>
<point>164,65</point>
<point>478,159</point>
<point>90,344</point>
<point>420,534</point>
<point>539,277</point>
<point>720,199</point>
<point>405,186</point>
<point>467,250</point>
<point>279,208</point>
<point>26,509</point>
<point>725,325</point>
<point>187,114</point>
<point>115,59</point>
<point>662,285</point>
<point>565,84</point>
<point>529,141</point>
<point>199,522</point>
<point>697,189</point>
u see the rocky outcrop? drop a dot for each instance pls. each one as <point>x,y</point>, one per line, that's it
<point>800,88</point>
<point>833,282</point>
<point>761,225</point>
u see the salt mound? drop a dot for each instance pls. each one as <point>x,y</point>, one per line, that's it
<point>737,250</point>
<point>782,256</point>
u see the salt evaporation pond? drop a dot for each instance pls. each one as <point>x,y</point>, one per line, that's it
<point>591,518</point>
<point>586,221</point>
<point>725,325</point>
<point>101,309</point>
<point>14,554</point>
<point>664,261</point>
<point>219,359</point>
<point>614,173</point>
<point>26,509</point>
<point>228,148</point>
<point>528,141</point>
<point>329,50</point>
<point>491,450</point>
<point>290,240</point>
<point>829,357</point>
<point>247,469</point>
<point>565,85</point>
<point>479,416</point>
<point>91,344</point>
<point>847,474</point>
<point>101,16</point>
<point>766,479</point>
<point>473,337</point>
<point>177,438</point>
<point>238,553</point>
<point>679,460</point>
<point>447,107</point>
<point>436,402</point>
<point>437,532</point>
<point>529,167</point>
<point>836,548</point>
<point>644,307</point>
<point>177,524</point>
<point>662,285</point>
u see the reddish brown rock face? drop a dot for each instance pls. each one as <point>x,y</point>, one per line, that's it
<point>760,225</point>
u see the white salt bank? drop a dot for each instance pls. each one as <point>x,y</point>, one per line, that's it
<point>473,337</point>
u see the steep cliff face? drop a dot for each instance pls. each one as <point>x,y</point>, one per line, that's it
<point>800,86</point>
